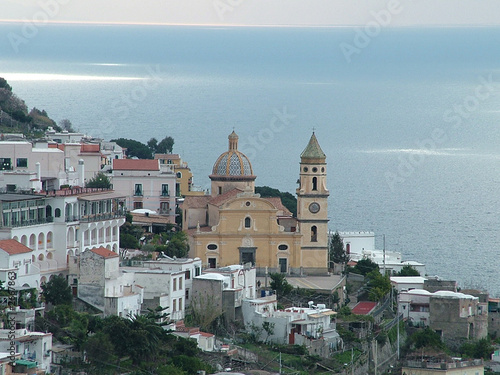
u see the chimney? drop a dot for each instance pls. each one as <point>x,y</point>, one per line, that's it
<point>38,171</point>
<point>66,163</point>
<point>81,173</point>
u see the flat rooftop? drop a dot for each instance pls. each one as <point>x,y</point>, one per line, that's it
<point>319,283</point>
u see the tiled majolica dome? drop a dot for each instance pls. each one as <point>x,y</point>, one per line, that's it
<point>232,163</point>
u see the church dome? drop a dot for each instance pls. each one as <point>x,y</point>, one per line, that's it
<point>232,163</point>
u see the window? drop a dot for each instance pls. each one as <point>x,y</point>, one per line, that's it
<point>212,246</point>
<point>57,212</point>
<point>197,271</point>
<point>248,222</point>
<point>220,190</point>
<point>315,183</point>
<point>5,164</point>
<point>175,284</point>
<point>180,283</point>
<point>138,190</point>
<point>179,175</point>
<point>187,294</point>
<point>164,190</point>
<point>314,234</point>
<point>283,247</point>
<point>180,304</point>
<point>188,274</point>
<point>137,205</point>
<point>212,263</point>
<point>174,307</point>
<point>22,162</point>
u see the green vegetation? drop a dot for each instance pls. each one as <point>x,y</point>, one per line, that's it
<point>426,338</point>
<point>100,180</point>
<point>408,271</point>
<point>336,251</point>
<point>477,349</point>
<point>134,148</point>
<point>136,345</point>
<point>15,117</point>
<point>364,267</point>
<point>165,146</point>
<point>288,199</point>
<point>280,284</point>
<point>171,243</point>
<point>57,291</point>
<point>378,285</point>
<point>142,151</point>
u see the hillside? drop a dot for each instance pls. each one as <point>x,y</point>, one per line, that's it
<point>15,117</point>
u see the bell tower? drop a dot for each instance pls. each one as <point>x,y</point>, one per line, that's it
<point>312,208</point>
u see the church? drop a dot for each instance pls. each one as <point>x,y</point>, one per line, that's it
<point>233,225</point>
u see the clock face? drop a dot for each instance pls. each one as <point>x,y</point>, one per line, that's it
<point>314,207</point>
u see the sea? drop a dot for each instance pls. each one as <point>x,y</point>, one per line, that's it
<point>409,117</point>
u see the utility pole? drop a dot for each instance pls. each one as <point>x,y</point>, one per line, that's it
<point>384,254</point>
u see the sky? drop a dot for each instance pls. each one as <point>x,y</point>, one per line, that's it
<point>256,12</point>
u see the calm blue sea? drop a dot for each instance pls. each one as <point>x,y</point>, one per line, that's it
<point>410,125</point>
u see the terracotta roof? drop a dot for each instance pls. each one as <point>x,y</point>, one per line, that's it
<point>90,148</point>
<point>151,219</point>
<point>204,228</point>
<point>167,156</point>
<point>105,253</point>
<point>219,200</point>
<point>136,164</point>
<point>196,201</point>
<point>364,308</point>
<point>276,202</point>
<point>13,247</point>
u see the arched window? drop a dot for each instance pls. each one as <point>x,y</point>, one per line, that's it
<point>57,212</point>
<point>248,222</point>
<point>315,183</point>
<point>314,234</point>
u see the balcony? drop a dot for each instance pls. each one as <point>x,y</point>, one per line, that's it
<point>70,218</point>
<point>103,216</point>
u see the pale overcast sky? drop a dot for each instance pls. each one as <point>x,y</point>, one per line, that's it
<point>256,12</point>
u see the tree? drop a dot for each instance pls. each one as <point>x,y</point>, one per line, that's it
<point>408,271</point>
<point>336,250</point>
<point>134,148</point>
<point>65,124</point>
<point>152,144</point>
<point>165,146</point>
<point>268,329</point>
<point>57,291</point>
<point>100,350</point>
<point>378,285</point>
<point>365,266</point>
<point>4,84</point>
<point>128,241</point>
<point>477,349</point>
<point>100,180</point>
<point>280,284</point>
<point>426,338</point>
<point>288,200</point>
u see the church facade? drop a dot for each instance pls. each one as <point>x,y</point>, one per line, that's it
<point>233,225</point>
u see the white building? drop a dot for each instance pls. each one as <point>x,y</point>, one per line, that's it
<point>361,245</point>
<point>101,284</point>
<point>313,326</point>
<point>146,184</point>
<point>32,346</point>
<point>405,283</point>
<point>190,267</point>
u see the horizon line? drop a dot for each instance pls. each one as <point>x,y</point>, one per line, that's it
<point>129,23</point>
